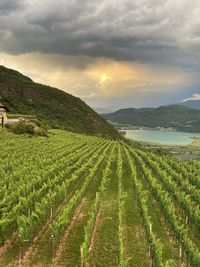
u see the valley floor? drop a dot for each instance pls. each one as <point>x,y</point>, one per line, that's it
<point>77,200</point>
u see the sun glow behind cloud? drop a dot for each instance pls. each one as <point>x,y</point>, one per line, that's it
<point>104,78</point>
<point>91,78</point>
<point>106,49</point>
<point>114,78</point>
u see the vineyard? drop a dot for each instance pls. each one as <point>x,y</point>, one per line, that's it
<point>78,200</point>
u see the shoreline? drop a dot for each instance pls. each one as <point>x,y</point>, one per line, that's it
<point>195,139</point>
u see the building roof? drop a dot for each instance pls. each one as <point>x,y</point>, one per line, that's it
<point>3,106</point>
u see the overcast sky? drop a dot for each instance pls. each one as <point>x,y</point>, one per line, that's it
<point>111,53</point>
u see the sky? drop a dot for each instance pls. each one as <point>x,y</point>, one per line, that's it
<point>110,53</point>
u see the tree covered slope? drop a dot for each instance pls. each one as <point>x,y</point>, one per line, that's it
<point>179,117</point>
<point>191,104</point>
<point>52,106</point>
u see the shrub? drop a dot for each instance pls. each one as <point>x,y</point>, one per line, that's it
<point>23,127</point>
<point>40,131</point>
<point>29,127</point>
<point>19,127</point>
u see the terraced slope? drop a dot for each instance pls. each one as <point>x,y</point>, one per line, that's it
<point>77,200</point>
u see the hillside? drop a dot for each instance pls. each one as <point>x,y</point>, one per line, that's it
<point>59,196</point>
<point>53,107</point>
<point>191,104</point>
<point>179,117</point>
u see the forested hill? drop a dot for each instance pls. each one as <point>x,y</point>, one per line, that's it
<point>179,117</point>
<point>52,106</point>
<point>191,104</point>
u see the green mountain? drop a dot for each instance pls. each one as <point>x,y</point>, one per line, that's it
<point>52,106</point>
<point>179,117</point>
<point>191,104</point>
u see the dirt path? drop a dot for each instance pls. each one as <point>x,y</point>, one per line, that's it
<point>7,245</point>
<point>31,250</point>
<point>69,252</point>
<point>94,233</point>
<point>60,249</point>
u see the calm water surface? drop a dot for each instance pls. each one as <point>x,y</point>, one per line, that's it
<point>161,137</point>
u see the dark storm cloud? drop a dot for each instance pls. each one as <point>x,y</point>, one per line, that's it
<point>8,6</point>
<point>148,31</point>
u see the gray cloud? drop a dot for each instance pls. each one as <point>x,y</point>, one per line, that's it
<point>9,6</point>
<point>155,31</point>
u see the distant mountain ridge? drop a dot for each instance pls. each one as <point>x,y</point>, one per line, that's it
<point>180,117</point>
<point>52,106</point>
<point>103,110</point>
<point>191,104</point>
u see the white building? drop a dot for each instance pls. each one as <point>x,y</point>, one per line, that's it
<point>3,115</point>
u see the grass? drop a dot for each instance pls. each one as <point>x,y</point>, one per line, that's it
<point>71,252</point>
<point>170,247</point>
<point>44,244</point>
<point>105,253</point>
<point>135,239</point>
<point>24,116</point>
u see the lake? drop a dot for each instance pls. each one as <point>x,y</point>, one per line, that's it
<point>161,137</point>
